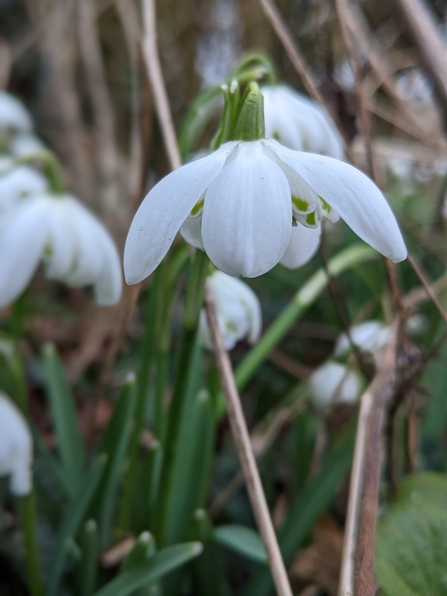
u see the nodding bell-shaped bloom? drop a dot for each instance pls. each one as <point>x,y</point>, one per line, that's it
<point>14,116</point>
<point>369,336</point>
<point>238,311</point>
<point>332,383</point>
<point>298,122</point>
<point>253,204</point>
<point>16,447</point>
<point>24,144</point>
<point>71,242</point>
<point>18,182</point>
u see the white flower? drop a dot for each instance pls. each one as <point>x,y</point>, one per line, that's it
<point>240,202</point>
<point>22,145</point>
<point>333,382</point>
<point>238,311</point>
<point>71,242</point>
<point>13,114</point>
<point>18,182</point>
<point>16,447</point>
<point>298,122</point>
<point>369,336</point>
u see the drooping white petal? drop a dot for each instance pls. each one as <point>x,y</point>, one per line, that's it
<point>22,238</point>
<point>303,245</point>
<point>247,214</point>
<point>13,114</point>
<point>60,248</point>
<point>25,144</point>
<point>368,336</point>
<point>109,285</point>
<point>238,311</point>
<point>334,383</point>
<point>16,447</point>
<point>89,257</point>
<point>18,183</point>
<point>354,196</point>
<point>164,210</point>
<point>191,230</point>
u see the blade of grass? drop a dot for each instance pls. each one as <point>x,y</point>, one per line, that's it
<point>65,420</point>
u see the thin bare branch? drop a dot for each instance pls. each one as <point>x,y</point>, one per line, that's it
<point>245,452</point>
<point>153,65</point>
<point>428,287</point>
<point>299,64</point>
<point>104,117</point>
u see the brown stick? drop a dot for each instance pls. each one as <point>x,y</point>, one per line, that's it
<point>245,452</point>
<point>421,23</point>
<point>152,60</point>
<point>299,64</point>
<point>382,391</point>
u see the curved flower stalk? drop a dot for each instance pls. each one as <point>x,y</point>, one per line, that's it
<point>18,182</point>
<point>71,242</point>
<point>16,447</point>
<point>299,123</point>
<point>332,383</point>
<point>14,117</point>
<point>247,205</point>
<point>238,312</point>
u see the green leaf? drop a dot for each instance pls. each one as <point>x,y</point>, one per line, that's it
<point>63,413</point>
<point>161,563</point>
<point>114,444</point>
<point>411,539</point>
<point>244,541</point>
<point>73,518</point>
<point>88,565</point>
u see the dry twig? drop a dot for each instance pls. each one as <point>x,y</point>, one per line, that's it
<point>245,452</point>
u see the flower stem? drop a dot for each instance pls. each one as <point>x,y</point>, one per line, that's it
<point>27,508</point>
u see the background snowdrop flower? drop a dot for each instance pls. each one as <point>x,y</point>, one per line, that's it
<point>239,204</point>
<point>298,122</point>
<point>18,182</point>
<point>333,382</point>
<point>71,242</point>
<point>13,114</point>
<point>238,311</point>
<point>369,336</point>
<point>16,447</point>
<point>22,145</point>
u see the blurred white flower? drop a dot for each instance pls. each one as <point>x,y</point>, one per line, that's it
<point>333,382</point>
<point>22,145</point>
<point>239,205</point>
<point>298,122</point>
<point>13,114</point>
<point>369,336</point>
<point>415,86</point>
<point>17,182</point>
<point>72,243</point>
<point>238,311</point>
<point>16,447</point>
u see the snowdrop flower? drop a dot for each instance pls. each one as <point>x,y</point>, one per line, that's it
<point>13,114</point>
<point>298,122</point>
<point>18,182</point>
<point>22,145</point>
<point>238,311</point>
<point>333,382</point>
<point>16,447</point>
<point>71,242</point>
<point>369,336</point>
<point>241,203</point>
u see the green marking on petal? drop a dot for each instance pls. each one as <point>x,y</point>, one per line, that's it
<point>47,251</point>
<point>276,136</point>
<point>311,218</point>
<point>300,204</point>
<point>230,326</point>
<point>197,207</point>
<point>294,222</point>
<point>325,205</point>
